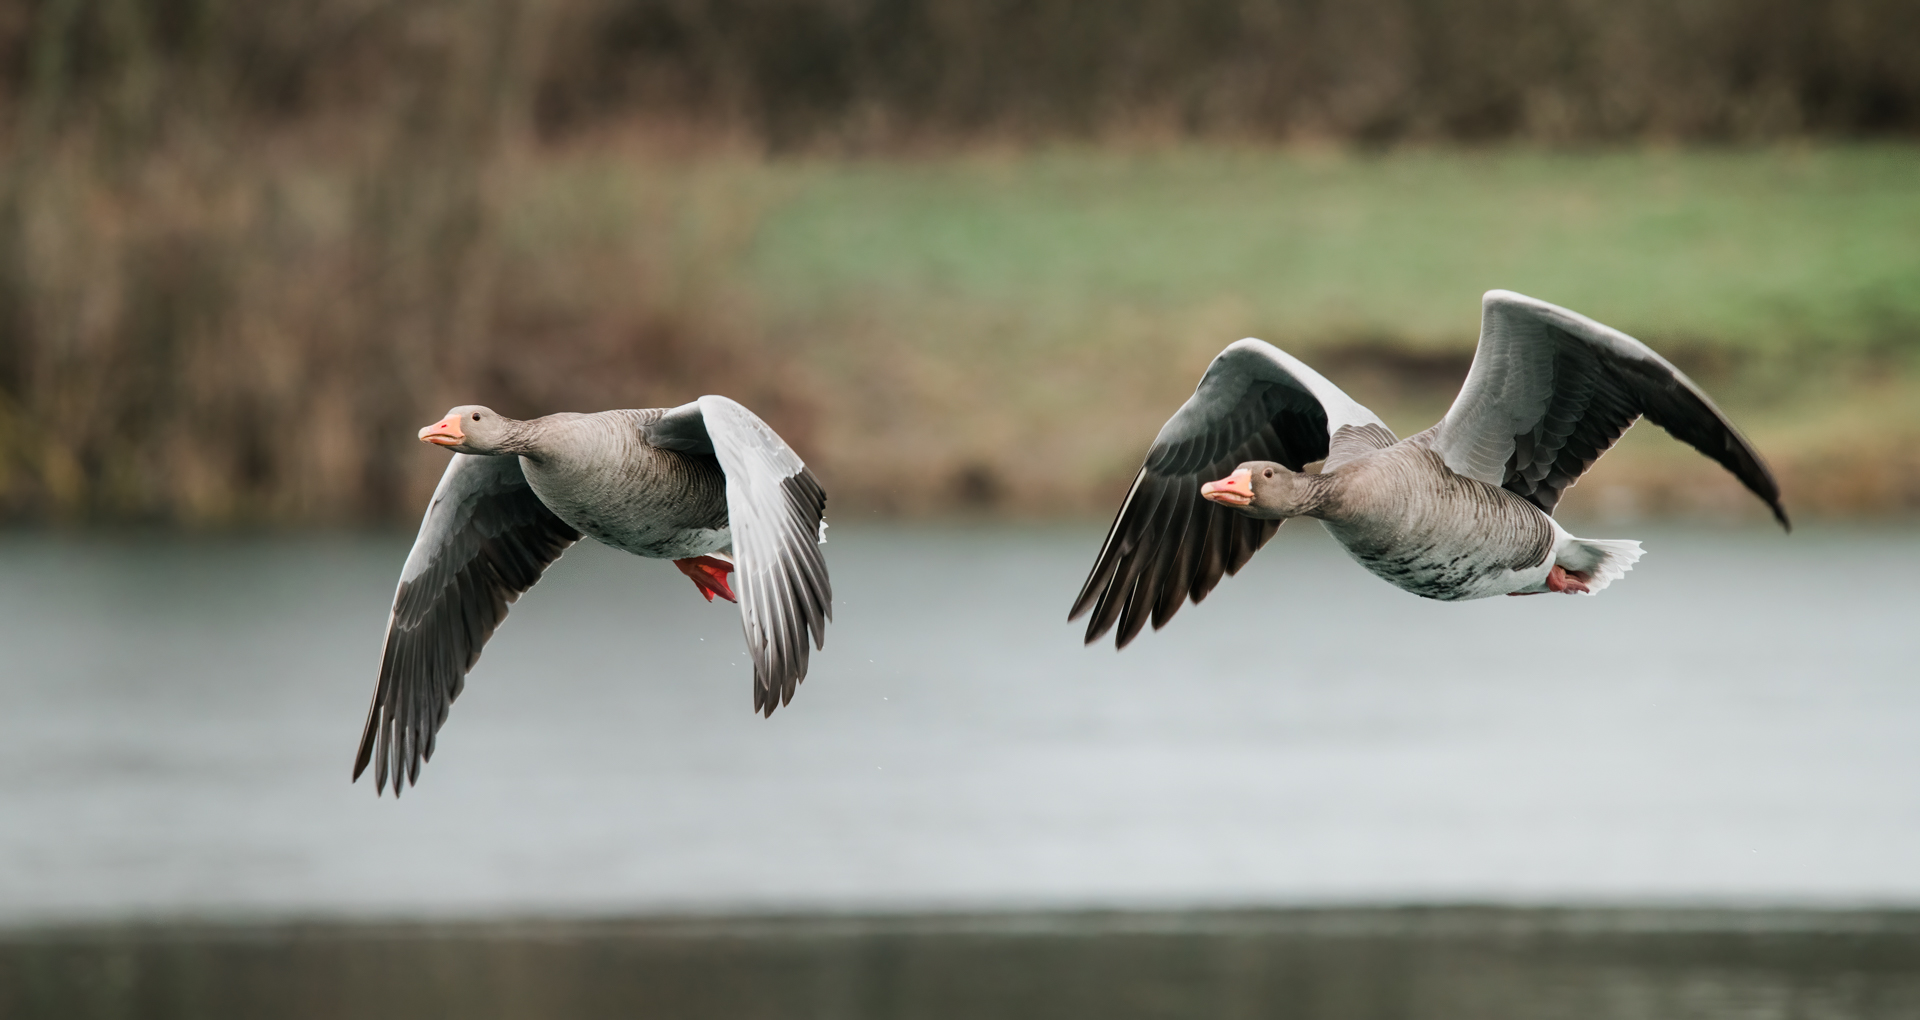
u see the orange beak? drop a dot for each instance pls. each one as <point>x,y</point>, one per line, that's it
<point>445,432</point>
<point>1234,490</point>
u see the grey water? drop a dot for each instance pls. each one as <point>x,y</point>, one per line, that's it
<point>1734,722</point>
<point>1730,729</point>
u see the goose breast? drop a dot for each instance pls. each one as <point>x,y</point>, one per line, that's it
<point>1400,513</point>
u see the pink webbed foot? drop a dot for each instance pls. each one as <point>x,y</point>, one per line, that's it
<point>1562,579</point>
<point>709,574</point>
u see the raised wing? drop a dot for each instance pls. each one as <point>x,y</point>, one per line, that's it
<point>485,539</point>
<point>774,511</point>
<point>1167,544</point>
<point>1551,390</point>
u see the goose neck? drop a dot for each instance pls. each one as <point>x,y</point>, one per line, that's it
<point>523,439</point>
<point>1316,495</point>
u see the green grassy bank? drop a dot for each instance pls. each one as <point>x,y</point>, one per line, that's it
<point>1750,250</point>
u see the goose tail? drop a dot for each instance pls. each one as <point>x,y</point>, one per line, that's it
<point>1605,560</point>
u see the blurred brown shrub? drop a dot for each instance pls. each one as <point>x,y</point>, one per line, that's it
<point>877,71</point>
<point>242,250</point>
<point>243,246</point>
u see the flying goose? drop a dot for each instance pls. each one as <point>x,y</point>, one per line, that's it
<point>680,484</point>
<point>1460,511</point>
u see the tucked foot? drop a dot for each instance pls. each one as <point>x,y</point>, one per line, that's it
<point>709,574</point>
<point>1562,579</point>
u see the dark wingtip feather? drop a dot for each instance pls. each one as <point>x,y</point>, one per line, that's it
<point>1100,578</point>
<point>1139,608</point>
<point>1089,591</point>
<point>1098,626</point>
<point>1101,622</point>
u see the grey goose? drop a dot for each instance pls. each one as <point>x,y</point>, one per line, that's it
<point>682,484</point>
<point>1460,511</point>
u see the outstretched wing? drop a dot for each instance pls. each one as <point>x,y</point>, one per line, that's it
<point>1551,390</point>
<point>1167,544</point>
<point>774,511</point>
<point>485,539</point>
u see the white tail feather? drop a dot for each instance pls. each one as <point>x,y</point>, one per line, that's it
<point>1606,560</point>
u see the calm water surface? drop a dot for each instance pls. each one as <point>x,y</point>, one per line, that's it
<point>1736,722</point>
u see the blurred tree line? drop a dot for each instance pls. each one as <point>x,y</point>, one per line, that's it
<point>799,72</point>
<point>243,245</point>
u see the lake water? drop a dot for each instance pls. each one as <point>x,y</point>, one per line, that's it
<point>1735,723</point>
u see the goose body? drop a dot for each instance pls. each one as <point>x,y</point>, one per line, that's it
<point>1411,521</point>
<point>599,474</point>
<point>683,484</point>
<point>1460,511</point>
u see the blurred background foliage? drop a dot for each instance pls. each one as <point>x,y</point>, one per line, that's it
<point>964,255</point>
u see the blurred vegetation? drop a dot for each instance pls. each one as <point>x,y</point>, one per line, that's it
<point>1033,319</point>
<point>961,254</point>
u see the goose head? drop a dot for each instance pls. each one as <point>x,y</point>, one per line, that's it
<point>1263,489</point>
<point>471,428</point>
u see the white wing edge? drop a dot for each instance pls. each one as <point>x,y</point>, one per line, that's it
<point>1496,302</point>
<point>730,414</point>
<point>1342,410</point>
<point>1225,382</point>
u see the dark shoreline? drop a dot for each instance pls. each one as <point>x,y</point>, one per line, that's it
<point>1485,963</point>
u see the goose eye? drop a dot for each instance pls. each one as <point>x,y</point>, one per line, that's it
<point>1269,472</point>
<point>476,416</point>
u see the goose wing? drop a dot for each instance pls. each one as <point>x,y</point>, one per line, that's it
<point>775,510</point>
<point>1551,390</point>
<point>485,539</point>
<point>1167,544</point>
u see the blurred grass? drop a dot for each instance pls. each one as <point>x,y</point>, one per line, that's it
<point>1009,330</point>
<point>1752,250</point>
